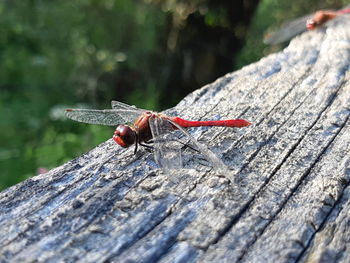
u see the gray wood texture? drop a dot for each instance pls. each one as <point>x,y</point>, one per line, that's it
<point>286,200</point>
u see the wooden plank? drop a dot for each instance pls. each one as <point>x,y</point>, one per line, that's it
<point>286,200</point>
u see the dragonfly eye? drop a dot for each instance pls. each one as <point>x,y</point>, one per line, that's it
<point>124,136</point>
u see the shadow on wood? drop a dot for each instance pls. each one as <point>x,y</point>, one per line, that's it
<point>288,199</point>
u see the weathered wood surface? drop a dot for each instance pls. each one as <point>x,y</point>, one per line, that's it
<point>288,199</point>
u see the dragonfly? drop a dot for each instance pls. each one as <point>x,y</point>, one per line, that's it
<point>301,24</point>
<point>141,127</point>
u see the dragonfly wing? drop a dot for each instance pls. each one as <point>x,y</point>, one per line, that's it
<point>205,152</point>
<point>110,117</point>
<point>167,151</point>
<point>287,31</point>
<point>120,105</point>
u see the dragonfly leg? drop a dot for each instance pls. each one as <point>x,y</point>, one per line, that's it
<point>187,145</point>
<point>149,141</point>
<point>136,142</point>
<point>146,145</point>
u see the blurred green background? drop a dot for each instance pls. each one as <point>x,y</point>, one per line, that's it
<point>85,53</point>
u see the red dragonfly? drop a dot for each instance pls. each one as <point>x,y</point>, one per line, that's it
<point>300,25</point>
<point>145,125</point>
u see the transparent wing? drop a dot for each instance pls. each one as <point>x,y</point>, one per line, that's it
<point>207,154</point>
<point>287,31</point>
<point>167,151</point>
<point>111,117</point>
<point>120,105</point>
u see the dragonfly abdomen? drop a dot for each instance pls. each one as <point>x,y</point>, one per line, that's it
<point>238,123</point>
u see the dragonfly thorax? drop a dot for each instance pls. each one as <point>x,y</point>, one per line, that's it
<point>124,135</point>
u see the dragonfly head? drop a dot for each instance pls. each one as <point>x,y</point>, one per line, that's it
<point>124,135</point>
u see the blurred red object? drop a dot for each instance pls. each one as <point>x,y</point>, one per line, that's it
<point>301,24</point>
